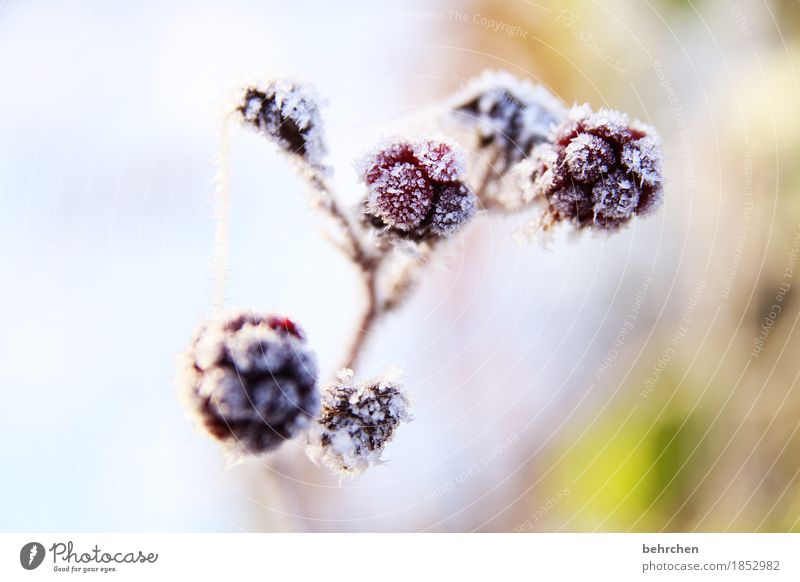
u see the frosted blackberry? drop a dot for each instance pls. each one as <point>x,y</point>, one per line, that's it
<point>356,422</point>
<point>287,113</point>
<point>599,171</point>
<point>507,115</point>
<point>250,381</point>
<point>414,190</point>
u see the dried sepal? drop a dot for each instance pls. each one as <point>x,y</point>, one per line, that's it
<point>356,422</point>
<point>287,112</point>
<point>506,116</point>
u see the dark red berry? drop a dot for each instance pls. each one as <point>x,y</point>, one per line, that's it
<point>414,192</point>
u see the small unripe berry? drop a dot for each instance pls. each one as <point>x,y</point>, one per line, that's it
<point>599,171</point>
<point>356,422</point>
<point>250,381</point>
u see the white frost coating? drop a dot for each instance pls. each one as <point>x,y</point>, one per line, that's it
<point>451,220</point>
<point>251,347</point>
<point>422,147</point>
<point>405,177</point>
<point>401,196</point>
<point>356,423</point>
<point>643,157</point>
<point>444,161</point>
<point>610,122</point>
<point>456,206</point>
<point>616,197</point>
<point>588,157</point>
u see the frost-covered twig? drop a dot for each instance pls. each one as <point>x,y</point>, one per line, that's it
<point>249,378</point>
<point>353,245</point>
<point>369,317</point>
<point>222,214</point>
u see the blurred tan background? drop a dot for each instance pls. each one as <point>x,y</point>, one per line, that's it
<point>645,382</point>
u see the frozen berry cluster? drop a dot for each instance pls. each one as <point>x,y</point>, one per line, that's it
<point>250,381</point>
<point>356,422</point>
<point>415,190</point>
<point>288,113</point>
<point>599,171</point>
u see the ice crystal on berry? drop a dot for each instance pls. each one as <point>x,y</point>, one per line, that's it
<point>414,189</point>
<point>615,195</point>
<point>356,422</point>
<point>250,381</point>
<point>643,158</point>
<point>441,161</point>
<point>287,113</point>
<point>588,158</point>
<point>599,171</point>
<point>402,195</point>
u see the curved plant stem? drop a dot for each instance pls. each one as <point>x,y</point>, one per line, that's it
<point>369,318</point>
<point>380,304</point>
<point>354,246</point>
<point>222,214</point>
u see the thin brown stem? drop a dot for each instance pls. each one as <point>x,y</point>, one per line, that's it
<point>369,263</point>
<point>353,244</point>
<point>406,280</point>
<point>368,320</point>
<point>380,304</point>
